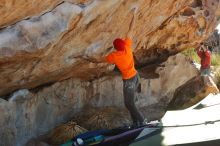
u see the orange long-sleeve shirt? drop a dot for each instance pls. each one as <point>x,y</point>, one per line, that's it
<point>123,60</point>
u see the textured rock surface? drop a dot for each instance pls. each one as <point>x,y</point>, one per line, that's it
<point>44,43</point>
<point>23,9</point>
<point>29,114</point>
<point>48,39</point>
<point>191,93</point>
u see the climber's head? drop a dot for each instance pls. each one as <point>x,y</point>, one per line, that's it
<point>119,44</point>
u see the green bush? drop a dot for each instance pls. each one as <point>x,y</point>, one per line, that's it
<point>191,52</point>
<point>215,59</point>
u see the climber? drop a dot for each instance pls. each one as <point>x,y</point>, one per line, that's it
<point>205,56</point>
<point>122,57</point>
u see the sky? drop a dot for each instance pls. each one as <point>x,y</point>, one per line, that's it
<point>218,27</point>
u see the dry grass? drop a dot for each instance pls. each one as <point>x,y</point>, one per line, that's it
<point>64,132</point>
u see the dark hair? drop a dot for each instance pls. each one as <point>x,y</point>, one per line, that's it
<point>210,48</point>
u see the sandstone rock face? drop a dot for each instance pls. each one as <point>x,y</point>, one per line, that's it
<point>23,9</point>
<point>46,43</point>
<point>191,93</point>
<point>49,40</point>
<point>29,114</point>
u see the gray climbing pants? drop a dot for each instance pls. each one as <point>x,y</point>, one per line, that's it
<point>129,89</point>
